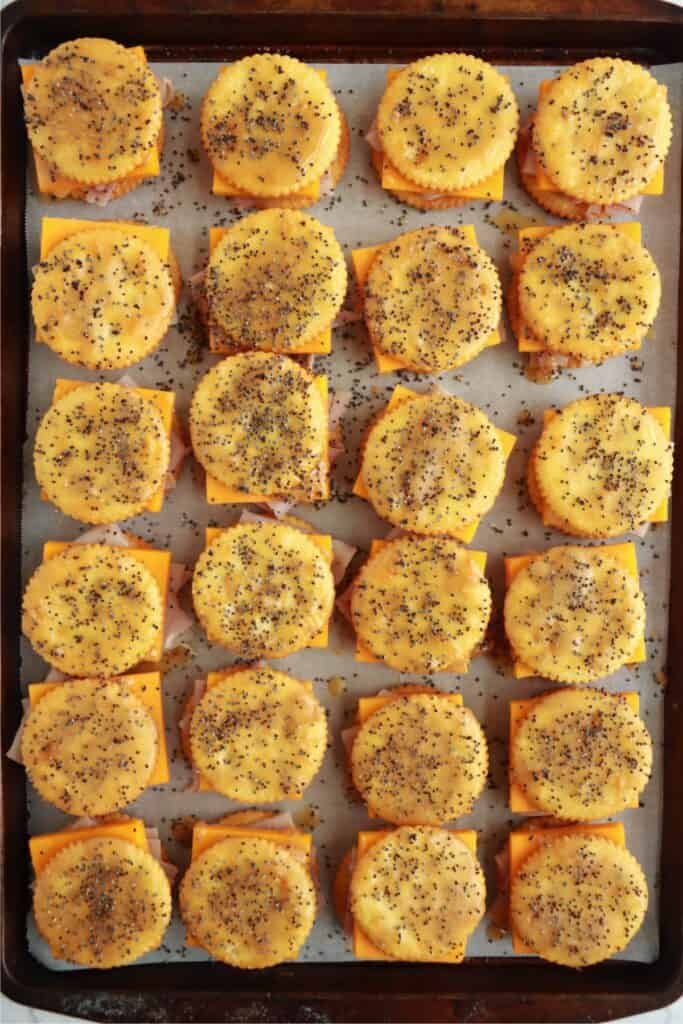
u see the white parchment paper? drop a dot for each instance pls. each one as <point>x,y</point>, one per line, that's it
<point>361,215</point>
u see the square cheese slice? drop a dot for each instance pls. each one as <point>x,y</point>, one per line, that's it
<point>54,230</point>
<point>221,187</point>
<point>43,848</point>
<point>362,653</point>
<point>218,493</point>
<point>205,836</point>
<point>217,677</point>
<point>400,393</point>
<point>526,342</point>
<point>525,841</point>
<point>544,184</point>
<point>363,948</point>
<point>60,187</point>
<point>624,554</point>
<point>367,706</point>
<point>157,562</point>
<point>489,188</point>
<point>520,803</point>
<point>316,346</point>
<point>362,260</point>
<point>147,688</point>
<point>663,416</point>
<point>321,541</point>
<point>163,400</point>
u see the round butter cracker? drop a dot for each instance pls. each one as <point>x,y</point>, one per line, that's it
<point>590,291</point>
<point>602,130</point>
<point>90,746</point>
<point>432,464</point>
<point>420,759</point>
<point>270,124</point>
<point>101,453</point>
<point>578,899</point>
<point>248,901</point>
<point>263,590</point>
<point>276,281</point>
<point>93,110</point>
<point>258,735</point>
<point>102,902</point>
<point>574,615</point>
<point>603,465</point>
<point>432,299</point>
<point>92,610</point>
<point>102,298</point>
<point>581,755</point>
<point>448,121</point>
<point>328,182</point>
<point>418,893</point>
<point>421,604</point>
<point>259,425</point>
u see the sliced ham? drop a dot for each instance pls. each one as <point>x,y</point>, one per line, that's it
<point>101,195</point>
<point>14,749</point>
<point>342,555</point>
<point>282,821</point>
<point>55,676</point>
<point>348,738</point>
<point>110,533</point>
<point>167,90</point>
<point>343,604</point>
<point>275,507</point>
<point>157,850</point>
<point>372,138</point>
<point>179,451</point>
<point>176,622</point>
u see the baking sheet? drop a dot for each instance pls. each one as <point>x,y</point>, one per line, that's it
<point>361,215</point>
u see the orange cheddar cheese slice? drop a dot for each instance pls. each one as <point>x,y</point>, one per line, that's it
<point>362,260</point>
<point>507,441</point>
<point>157,562</point>
<point>363,948</point>
<point>218,493</point>
<point>519,709</point>
<point>43,848</point>
<point>524,841</point>
<point>367,706</point>
<point>163,400</point>
<point>544,184</point>
<point>147,688</point>
<point>54,230</point>
<point>362,653</point>
<point>526,342</point>
<point>321,541</point>
<point>624,554</point>
<point>317,346</point>
<point>221,187</point>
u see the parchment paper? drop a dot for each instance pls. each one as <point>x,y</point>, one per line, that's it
<point>362,214</point>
